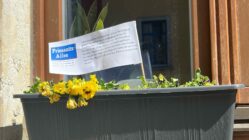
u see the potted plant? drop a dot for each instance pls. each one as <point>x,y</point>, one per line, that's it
<point>158,109</point>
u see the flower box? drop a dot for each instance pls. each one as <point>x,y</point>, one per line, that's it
<point>204,113</point>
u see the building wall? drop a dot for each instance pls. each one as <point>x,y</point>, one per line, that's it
<point>15,63</point>
<point>243,24</point>
<point>243,32</point>
<point>178,13</point>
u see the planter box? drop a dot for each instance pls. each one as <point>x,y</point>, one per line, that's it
<point>200,113</point>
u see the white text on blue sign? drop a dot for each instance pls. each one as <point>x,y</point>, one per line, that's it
<point>64,52</point>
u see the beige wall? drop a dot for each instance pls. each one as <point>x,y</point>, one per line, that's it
<point>177,10</point>
<point>15,57</point>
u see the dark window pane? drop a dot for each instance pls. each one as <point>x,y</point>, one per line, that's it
<point>154,39</point>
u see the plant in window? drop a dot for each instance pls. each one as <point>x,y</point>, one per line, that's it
<point>84,23</point>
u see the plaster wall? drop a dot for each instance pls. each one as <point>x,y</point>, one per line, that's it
<point>15,58</point>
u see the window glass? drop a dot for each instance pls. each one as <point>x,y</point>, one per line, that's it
<point>154,39</point>
<point>163,29</point>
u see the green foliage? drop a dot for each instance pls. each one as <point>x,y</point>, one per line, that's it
<point>199,80</point>
<point>92,14</point>
<point>99,25</point>
<point>162,82</point>
<point>101,17</point>
<point>144,83</point>
<point>85,23</point>
<point>124,87</point>
<point>108,85</point>
<point>112,85</point>
<point>80,25</point>
<point>159,82</point>
<point>34,87</point>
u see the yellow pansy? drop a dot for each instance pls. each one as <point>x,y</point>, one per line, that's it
<point>42,86</point>
<point>71,103</point>
<point>45,89</point>
<point>89,90</point>
<point>54,98</point>
<point>60,88</point>
<point>82,102</point>
<point>95,82</point>
<point>75,87</point>
<point>47,92</point>
<point>94,79</point>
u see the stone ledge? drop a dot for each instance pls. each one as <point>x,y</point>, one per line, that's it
<point>241,113</point>
<point>241,127</point>
<point>241,119</point>
<point>11,132</point>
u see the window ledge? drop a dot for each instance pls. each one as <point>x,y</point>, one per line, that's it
<point>241,118</point>
<point>241,127</point>
<point>241,113</point>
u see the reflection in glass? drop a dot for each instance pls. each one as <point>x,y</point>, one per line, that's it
<point>163,28</point>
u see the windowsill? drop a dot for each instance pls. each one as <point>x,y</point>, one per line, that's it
<point>241,119</point>
<point>241,127</point>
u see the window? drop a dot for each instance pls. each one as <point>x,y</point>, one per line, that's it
<point>153,34</point>
<point>163,28</point>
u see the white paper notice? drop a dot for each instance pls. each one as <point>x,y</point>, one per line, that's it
<point>111,47</point>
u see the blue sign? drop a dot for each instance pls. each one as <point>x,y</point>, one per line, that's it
<point>64,52</point>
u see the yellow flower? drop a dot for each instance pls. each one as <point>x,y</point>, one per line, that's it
<point>82,102</point>
<point>45,89</point>
<point>60,88</point>
<point>89,90</point>
<point>42,86</point>
<point>75,87</point>
<point>71,103</point>
<point>94,79</point>
<point>54,98</point>
<point>46,92</point>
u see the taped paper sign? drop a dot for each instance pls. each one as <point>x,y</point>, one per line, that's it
<point>111,47</point>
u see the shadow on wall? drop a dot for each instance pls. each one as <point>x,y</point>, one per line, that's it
<point>11,132</point>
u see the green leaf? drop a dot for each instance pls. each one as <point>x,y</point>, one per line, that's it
<point>34,87</point>
<point>73,30</point>
<point>80,25</point>
<point>92,14</point>
<point>100,25</point>
<point>161,78</point>
<point>102,15</point>
<point>199,80</point>
<point>124,87</point>
<point>144,82</point>
<point>82,15</point>
<point>108,85</point>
